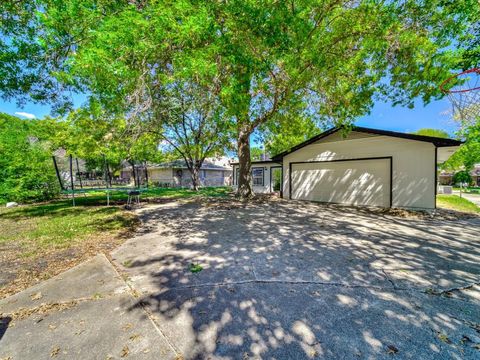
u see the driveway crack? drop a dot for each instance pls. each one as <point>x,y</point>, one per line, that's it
<point>134,294</point>
<point>390,280</point>
<point>459,288</point>
<point>287,282</point>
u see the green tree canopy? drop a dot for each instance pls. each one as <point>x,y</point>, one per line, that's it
<point>469,153</point>
<point>288,130</point>
<point>256,153</point>
<point>462,177</point>
<point>99,138</point>
<point>26,167</point>
<point>432,132</point>
<point>331,57</point>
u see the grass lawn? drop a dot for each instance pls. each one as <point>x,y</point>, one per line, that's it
<point>454,202</point>
<point>41,240</point>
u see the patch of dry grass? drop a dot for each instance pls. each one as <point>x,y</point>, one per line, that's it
<point>40,241</point>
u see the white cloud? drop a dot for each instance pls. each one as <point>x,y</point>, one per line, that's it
<point>25,114</point>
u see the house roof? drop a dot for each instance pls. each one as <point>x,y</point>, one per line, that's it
<point>438,142</point>
<point>181,164</point>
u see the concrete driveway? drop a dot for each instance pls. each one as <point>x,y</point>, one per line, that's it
<point>280,280</point>
<point>295,280</point>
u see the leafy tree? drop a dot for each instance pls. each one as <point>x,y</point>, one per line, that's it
<point>288,130</point>
<point>256,153</point>
<point>190,120</point>
<point>26,167</point>
<point>471,40</point>
<point>469,153</point>
<point>331,57</point>
<point>462,177</point>
<point>29,68</point>
<point>136,83</point>
<point>465,158</point>
<point>99,138</point>
<point>432,132</point>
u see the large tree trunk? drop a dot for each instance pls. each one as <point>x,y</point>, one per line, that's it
<point>146,173</point>
<point>244,176</point>
<point>109,175</point>
<point>195,180</point>
<point>134,174</point>
<point>194,167</point>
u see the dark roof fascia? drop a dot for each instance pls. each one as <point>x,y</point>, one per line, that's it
<point>438,142</point>
<point>258,162</point>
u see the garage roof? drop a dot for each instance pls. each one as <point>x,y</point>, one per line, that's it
<point>258,162</point>
<point>438,142</point>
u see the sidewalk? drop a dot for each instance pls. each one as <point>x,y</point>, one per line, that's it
<point>86,312</point>
<point>475,198</point>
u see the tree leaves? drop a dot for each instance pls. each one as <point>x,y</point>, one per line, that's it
<point>331,58</point>
<point>432,132</point>
<point>26,168</point>
<point>469,153</point>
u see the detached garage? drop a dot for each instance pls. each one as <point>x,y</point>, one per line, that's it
<point>367,167</point>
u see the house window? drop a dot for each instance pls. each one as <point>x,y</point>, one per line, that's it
<point>237,172</point>
<point>257,175</point>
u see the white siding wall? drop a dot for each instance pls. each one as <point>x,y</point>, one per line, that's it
<point>265,189</point>
<point>413,164</point>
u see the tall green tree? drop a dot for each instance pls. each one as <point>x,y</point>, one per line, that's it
<point>26,167</point>
<point>462,177</point>
<point>191,121</point>
<point>468,155</point>
<point>333,57</point>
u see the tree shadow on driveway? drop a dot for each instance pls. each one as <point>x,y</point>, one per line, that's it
<point>301,280</point>
<point>4,322</point>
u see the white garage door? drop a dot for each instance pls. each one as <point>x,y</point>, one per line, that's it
<point>355,182</point>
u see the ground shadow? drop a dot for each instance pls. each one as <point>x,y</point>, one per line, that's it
<point>4,323</point>
<point>300,280</point>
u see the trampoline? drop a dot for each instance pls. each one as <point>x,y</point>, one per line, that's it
<point>71,182</point>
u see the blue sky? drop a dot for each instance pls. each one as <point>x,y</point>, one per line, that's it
<point>436,115</point>
<point>38,110</point>
<point>383,116</point>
